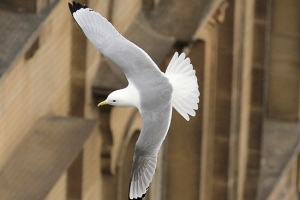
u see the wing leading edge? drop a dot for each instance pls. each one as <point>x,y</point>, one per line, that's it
<point>128,56</point>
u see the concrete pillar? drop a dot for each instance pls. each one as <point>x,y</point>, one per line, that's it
<point>74,173</point>
<point>223,102</point>
<point>284,88</point>
<point>217,104</point>
<point>183,145</point>
<point>78,70</point>
<point>241,97</point>
<point>74,179</point>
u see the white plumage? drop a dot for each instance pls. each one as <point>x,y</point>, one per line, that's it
<point>185,97</point>
<point>153,92</point>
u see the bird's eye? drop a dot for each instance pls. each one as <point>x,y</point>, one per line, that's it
<point>114,100</point>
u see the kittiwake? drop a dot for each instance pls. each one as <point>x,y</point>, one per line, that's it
<point>151,91</point>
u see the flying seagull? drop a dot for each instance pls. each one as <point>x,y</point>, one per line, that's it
<point>151,91</point>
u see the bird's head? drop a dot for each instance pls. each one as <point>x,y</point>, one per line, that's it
<point>118,98</point>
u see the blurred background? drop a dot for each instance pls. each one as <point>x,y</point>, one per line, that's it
<point>243,144</point>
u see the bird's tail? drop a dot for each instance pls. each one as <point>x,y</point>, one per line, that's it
<point>182,77</point>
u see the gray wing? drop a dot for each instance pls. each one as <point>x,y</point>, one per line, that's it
<point>129,57</point>
<point>154,131</point>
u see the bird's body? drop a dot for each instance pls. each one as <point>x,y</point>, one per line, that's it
<point>153,92</point>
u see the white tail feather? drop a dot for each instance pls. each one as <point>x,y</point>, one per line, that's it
<point>182,77</point>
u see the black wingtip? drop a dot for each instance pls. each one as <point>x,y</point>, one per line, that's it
<point>71,8</point>
<point>75,6</point>
<point>139,198</point>
<point>78,5</point>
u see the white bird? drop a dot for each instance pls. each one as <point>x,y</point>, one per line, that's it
<point>153,92</point>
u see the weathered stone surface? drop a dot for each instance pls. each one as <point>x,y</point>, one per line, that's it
<point>42,156</point>
<point>16,32</point>
<point>280,145</point>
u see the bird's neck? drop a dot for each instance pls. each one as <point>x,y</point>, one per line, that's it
<point>130,96</point>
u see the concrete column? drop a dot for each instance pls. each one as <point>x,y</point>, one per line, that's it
<point>223,102</point>
<point>257,107</point>
<point>284,88</point>
<point>78,70</point>
<point>183,143</point>
<point>241,97</point>
<point>217,104</point>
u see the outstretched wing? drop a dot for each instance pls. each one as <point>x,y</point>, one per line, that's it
<point>129,57</point>
<point>154,131</point>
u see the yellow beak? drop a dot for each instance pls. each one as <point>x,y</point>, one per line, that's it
<point>102,103</point>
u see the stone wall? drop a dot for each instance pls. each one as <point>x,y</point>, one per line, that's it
<point>246,56</point>
<point>38,84</point>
